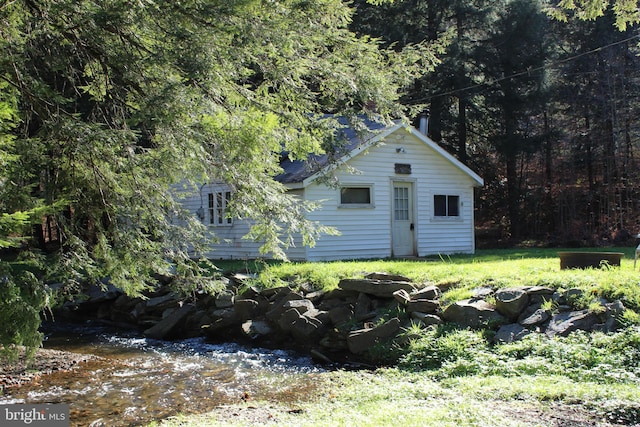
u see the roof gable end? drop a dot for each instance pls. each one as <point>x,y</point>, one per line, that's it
<point>299,173</point>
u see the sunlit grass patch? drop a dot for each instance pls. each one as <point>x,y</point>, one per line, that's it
<point>459,275</point>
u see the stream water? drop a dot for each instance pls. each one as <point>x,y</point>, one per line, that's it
<point>136,380</point>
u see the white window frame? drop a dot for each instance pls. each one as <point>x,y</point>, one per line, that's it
<point>369,205</point>
<point>447,215</point>
<point>218,209</point>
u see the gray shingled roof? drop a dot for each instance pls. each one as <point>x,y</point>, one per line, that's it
<point>347,139</point>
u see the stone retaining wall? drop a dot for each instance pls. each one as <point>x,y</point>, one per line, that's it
<point>356,316</point>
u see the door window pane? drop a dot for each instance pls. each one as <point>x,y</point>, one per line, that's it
<point>401,203</point>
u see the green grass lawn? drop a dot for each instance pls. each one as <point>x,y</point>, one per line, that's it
<point>452,377</point>
<point>458,275</point>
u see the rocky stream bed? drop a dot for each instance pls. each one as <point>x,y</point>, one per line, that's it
<point>45,361</point>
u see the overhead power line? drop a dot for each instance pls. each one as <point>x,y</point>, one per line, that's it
<point>528,71</point>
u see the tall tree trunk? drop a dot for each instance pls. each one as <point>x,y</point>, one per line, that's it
<point>462,129</point>
<point>509,152</point>
<point>513,195</point>
<point>548,163</point>
<point>589,153</point>
<point>462,100</point>
<point>435,118</point>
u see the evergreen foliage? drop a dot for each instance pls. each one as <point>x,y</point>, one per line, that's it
<point>626,11</point>
<point>110,109</point>
<point>22,298</point>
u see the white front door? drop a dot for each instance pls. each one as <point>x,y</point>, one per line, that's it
<point>402,227</point>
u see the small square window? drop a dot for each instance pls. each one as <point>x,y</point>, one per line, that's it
<point>355,195</point>
<point>445,205</point>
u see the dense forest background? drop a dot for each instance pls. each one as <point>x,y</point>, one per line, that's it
<point>546,112</point>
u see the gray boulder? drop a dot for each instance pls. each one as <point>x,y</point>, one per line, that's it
<point>288,318</point>
<point>530,320</point>
<point>363,339</point>
<point>510,333</point>
<point>473,313</point>
<point>510,302</point>
<point>315,296</point>
<point>224,299</point>
<point>364,308</point>
<point>423,306</point>
<point>278,306</point>
<point>252,292</point>
<point>402,296</point>
<point>334,339</point>
<point>125,303</point>
<point>101,293</point>
<point>387,277</point>
<point>563,324</point>
<point>310,326</point>
<point>161,303</point>
<point>341,314</point>
<point>219,327</point>
<point>301,305</point>
<point>426,319</point>
<point>195,322</point>
<point>273,294</point>
<point>538,295</point>
<point>612,312</point>
<point>241,279</point>
<point>428,292</point>
<point>573,294</point>
<point>539,290</point>
<point>483,292</point>
<point>256,328</point>
<point>170,324</point>
<point>223,313</point>
<point>378,288</point>
<point>245,308</point>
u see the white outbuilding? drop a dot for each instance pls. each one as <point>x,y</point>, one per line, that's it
<point>394,193</point>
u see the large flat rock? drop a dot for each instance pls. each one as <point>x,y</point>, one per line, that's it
<point>377,288</point>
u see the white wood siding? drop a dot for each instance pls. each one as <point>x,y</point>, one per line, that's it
<point>230,244</point>
<point>366,232</point>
